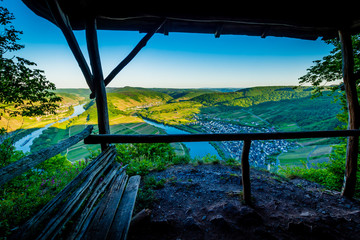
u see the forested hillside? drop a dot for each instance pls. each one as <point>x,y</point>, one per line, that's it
<point>251,96</point>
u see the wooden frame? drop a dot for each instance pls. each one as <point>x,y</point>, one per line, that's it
<point>114,138</point>
<point>98,79</point>
<point>97,84</point>
<point>246,137</point>
<point>24,164</point>
<point>352,150</point>
<point>64,25</point>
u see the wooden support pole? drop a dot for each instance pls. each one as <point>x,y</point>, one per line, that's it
<point>132,54</point>
<point>245,171</point>
<point>64,25</point>
<point>354,114</point>
<point>99,86</point>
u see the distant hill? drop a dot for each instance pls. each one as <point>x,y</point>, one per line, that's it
<point>129,97</point>
<point>252,96</point>
<point>183,94</point>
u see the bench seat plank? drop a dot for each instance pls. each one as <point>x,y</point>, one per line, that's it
<point>105,213</point>
<point>121,223</point>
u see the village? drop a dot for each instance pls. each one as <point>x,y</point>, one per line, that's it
<point>259,149</point>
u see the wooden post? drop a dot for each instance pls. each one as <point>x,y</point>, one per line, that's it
<point>245,171</point>
<point>133,53</point>
<point>353,110</point>
<point>99,86</point>
<point>64,25</point>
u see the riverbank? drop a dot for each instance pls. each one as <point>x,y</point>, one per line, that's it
<point>25,143</point>
<point>196,149</point>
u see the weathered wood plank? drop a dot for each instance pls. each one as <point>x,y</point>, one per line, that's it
<point>100,225</point>
<point>9,172</point>
<point>132,54</point>
<point>73,202</point>
<point>28,230</point>
<point>99,86</point>
<point>121,223</point>
<point>245,172</point>
<point>63,23</point>
<point>116,138</point>
<point>353,111</point>
<point>107,180</point>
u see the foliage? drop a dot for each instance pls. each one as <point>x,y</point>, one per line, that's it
<point>26,194</point>
<point>324,71</point>
<point>25,89</point>
<point>251,96</point>
<point>146,194</point>
<point>329,68</point>
<point>142,158</point>
<point>306,113</point>
<point>330,174</point>
<point>207,159</point>
<point>173,113</point>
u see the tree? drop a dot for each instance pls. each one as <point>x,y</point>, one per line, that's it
<point>328,70</point>
<point>23,90</point>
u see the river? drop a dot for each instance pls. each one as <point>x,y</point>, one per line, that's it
<point>25,143</point>
<point>196,149</point>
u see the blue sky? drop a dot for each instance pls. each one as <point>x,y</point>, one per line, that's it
<point>178,60</point>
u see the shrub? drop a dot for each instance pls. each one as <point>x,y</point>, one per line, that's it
<point>142,158</point>
<point>26,194</point>
<point>330,174</point>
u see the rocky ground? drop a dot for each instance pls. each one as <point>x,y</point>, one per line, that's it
<point>204,202</point>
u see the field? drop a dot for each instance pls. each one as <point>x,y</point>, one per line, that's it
<point>280,108</point>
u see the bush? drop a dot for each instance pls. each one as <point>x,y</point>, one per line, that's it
<point>330,174</point>
<point>26,194</point>
<point>142,158</point>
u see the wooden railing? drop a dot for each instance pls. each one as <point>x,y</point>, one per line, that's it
<point>14,169</point>
<point>246,137</point>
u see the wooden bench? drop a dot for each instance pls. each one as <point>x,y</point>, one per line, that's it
<point>97,204</point>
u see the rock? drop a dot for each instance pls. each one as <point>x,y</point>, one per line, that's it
<point>299,227</point>
<point>247,216</point>
<point>219,221</point>
<point>191,224</point>
<point>230,210</point>
<point>306,214</point>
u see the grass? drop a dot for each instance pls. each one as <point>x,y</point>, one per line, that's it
<point>297,157</point>
<point>173,113</point>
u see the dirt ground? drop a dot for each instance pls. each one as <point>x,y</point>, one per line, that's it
<point>204,202</point>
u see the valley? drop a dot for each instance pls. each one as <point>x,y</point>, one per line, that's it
<point>259,109</point>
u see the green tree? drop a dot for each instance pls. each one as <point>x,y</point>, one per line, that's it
<point>323,72</point>
<point>23,89</point>
<point>329,68</point>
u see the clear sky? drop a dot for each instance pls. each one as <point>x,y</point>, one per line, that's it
<point>176,61</point>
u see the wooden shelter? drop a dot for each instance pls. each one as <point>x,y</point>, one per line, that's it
<point>303,21</point>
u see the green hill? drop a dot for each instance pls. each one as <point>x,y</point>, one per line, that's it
<point>183,94</point>
<point>252,96</point>
<point>129,97</point>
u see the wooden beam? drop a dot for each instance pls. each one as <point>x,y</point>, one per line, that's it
<point>113,138</point>
<point>44,216</point>
<point>122,219</point>
<point>353,111</point>
<point>245,172</point>
<point>99,86</point>
<point>132,54</point>
<point>64,25</point>
<point>14,169</point>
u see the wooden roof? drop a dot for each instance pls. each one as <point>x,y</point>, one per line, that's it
<point>254,19</point>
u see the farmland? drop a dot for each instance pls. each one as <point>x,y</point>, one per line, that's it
<point>256,109</point>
